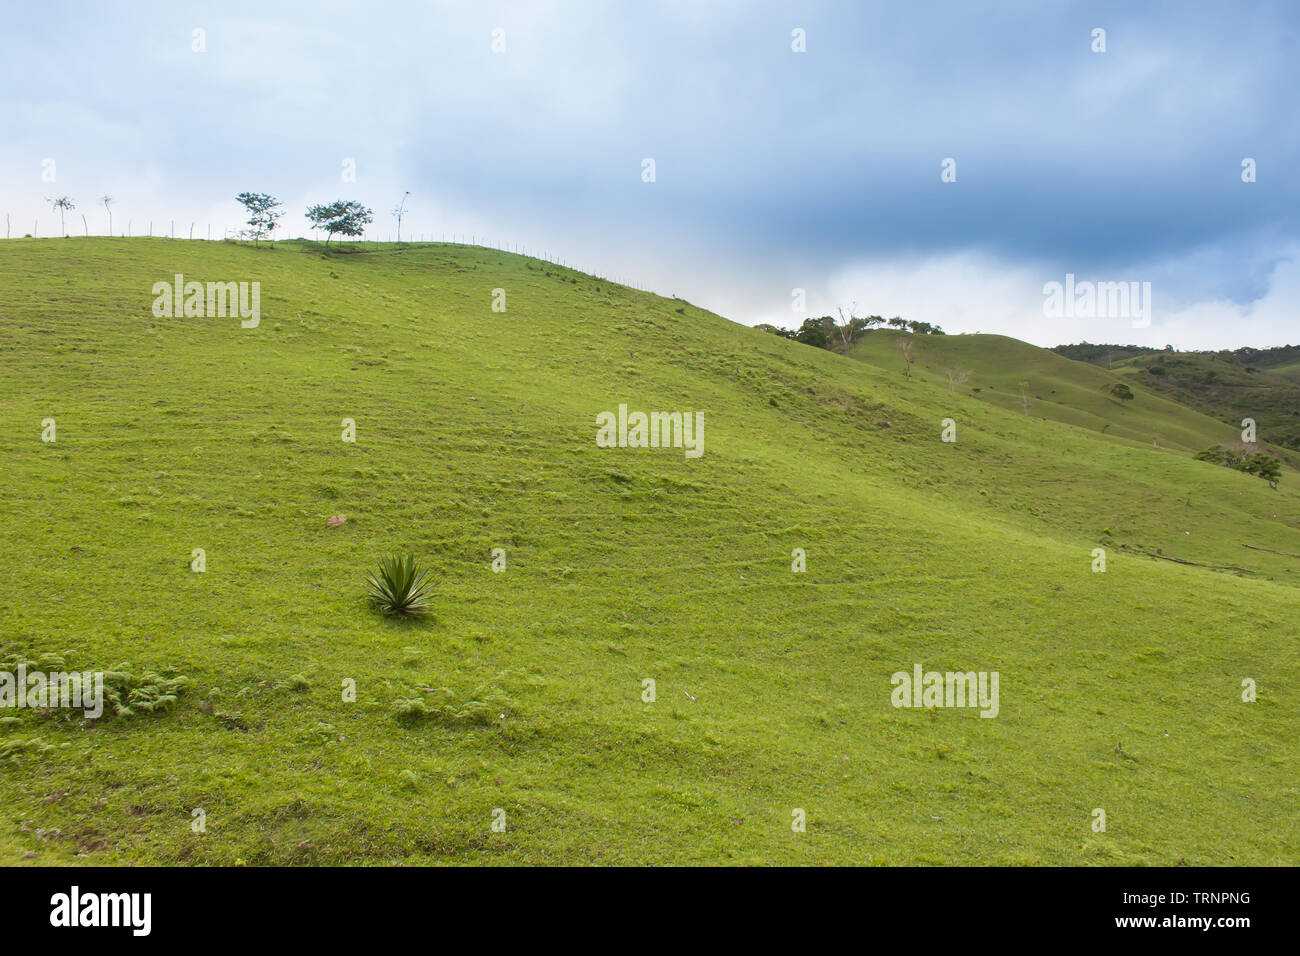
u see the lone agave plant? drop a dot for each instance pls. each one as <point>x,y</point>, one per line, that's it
<point>399,587</point>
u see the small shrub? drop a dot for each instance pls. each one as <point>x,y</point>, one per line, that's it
<point>1260,464</point>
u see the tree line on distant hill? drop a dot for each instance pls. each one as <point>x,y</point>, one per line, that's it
<point>1248,358</point>
<point>826,333</point>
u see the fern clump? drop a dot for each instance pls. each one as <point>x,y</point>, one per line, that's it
<point>148,693</point>
<point>16,748</point>
<point>125,692</point>
<point>486,705</point>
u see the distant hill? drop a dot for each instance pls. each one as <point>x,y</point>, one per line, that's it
<point>1104,355</point>
<point>1054,388</point>
<point>1263,384</point>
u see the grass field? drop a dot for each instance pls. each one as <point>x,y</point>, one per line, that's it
<point>475,430</point>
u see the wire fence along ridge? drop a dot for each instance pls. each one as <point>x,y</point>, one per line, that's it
<point>231,234</point>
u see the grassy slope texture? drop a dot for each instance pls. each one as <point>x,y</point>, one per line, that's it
<point>475,430</point>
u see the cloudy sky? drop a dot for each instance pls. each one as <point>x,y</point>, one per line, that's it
<point>774,170</point>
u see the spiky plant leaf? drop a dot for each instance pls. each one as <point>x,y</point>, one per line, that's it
<point>399,587</point>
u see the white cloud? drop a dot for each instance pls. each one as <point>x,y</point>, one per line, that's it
<point>974,292</point>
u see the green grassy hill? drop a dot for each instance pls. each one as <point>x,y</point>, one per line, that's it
<point>475,430</point>
<point>1054,388</point>
<point>1227,390</point>
<point>1263,384</point>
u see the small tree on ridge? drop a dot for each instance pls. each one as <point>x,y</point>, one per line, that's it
<point>263,214</point>
<point>345,217</point>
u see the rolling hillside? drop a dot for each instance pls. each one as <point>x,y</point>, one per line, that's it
<point>1054,388</point>
<point>475,431</point>
<point>1262,384</point>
